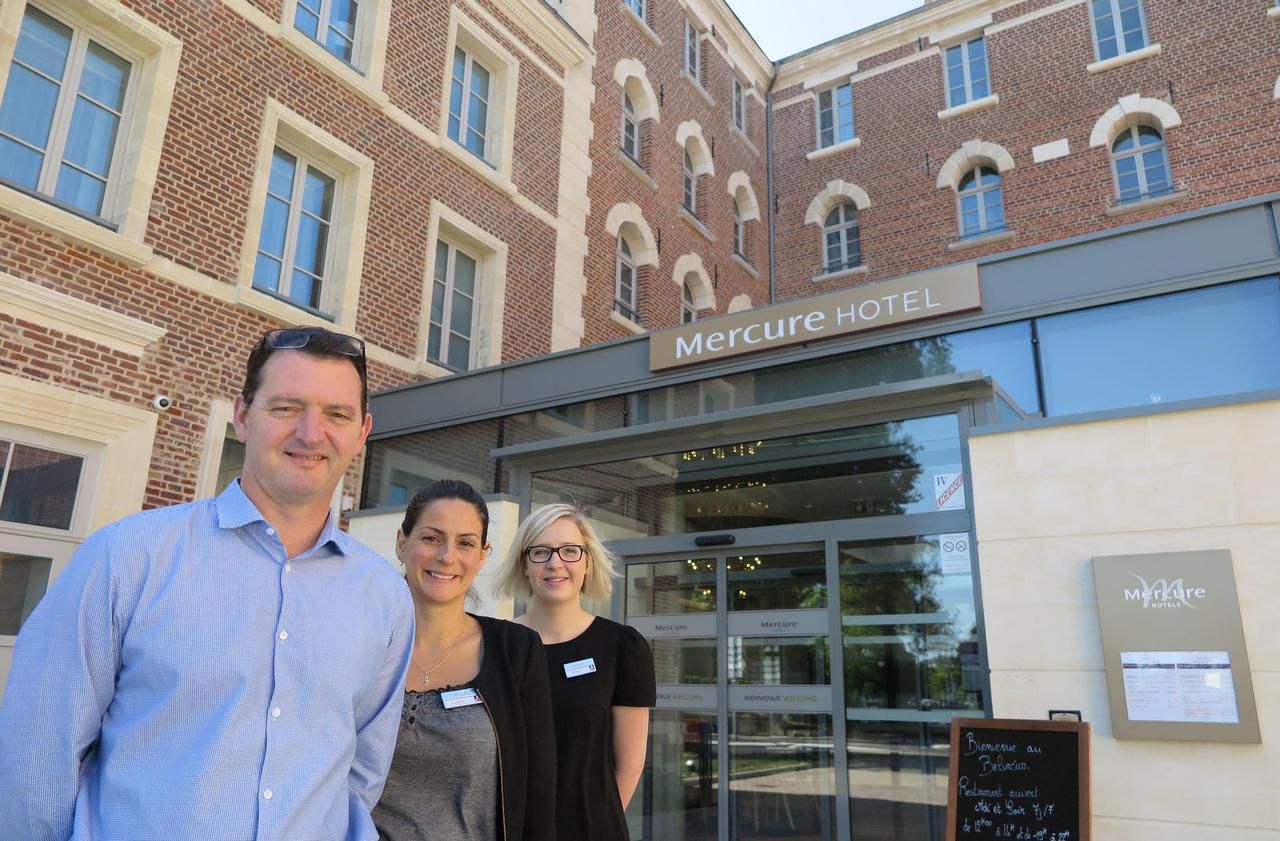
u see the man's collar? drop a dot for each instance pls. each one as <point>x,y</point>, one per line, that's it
<point>235,510</point>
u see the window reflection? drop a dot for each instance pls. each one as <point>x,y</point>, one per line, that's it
<point>910,627</point>
<point>23,579</point>
<point>777,582</point>
<point>39,486</point>
<point>684,661</point>
<point>677,799</point>
<point>782,776</point>
<point>874,470</point>
<point>670,587</point>
<point>779,661</point>
<point>897,780</point>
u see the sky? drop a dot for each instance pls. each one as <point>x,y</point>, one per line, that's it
<point>785,27</point>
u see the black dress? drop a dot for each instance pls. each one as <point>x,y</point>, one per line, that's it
<point>610,665</point>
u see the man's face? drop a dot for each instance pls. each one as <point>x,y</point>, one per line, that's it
<point>302,430</point>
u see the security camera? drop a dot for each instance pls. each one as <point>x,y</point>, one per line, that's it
<point>161,401</point>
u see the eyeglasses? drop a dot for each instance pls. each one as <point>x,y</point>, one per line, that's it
<point>570,553</point>
<point>294,339</point>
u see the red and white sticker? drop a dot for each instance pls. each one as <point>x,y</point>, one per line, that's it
<point>948,491</point>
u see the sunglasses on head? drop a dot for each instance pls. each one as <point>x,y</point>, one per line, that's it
<point>294,339</point>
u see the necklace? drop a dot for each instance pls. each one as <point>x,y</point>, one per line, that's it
<point>426,673</point>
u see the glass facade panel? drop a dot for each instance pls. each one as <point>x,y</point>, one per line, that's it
<point>910,626</point>
<point>779,661</point>
<point>897,780</point>
<point>777,582</point>
<point>1220,340</point>
<point>678,795</point>
<point>782,777</point>
<point>23,579</point>
<point>875,470</point>
<point>671,587</point>
<point>685,661</point>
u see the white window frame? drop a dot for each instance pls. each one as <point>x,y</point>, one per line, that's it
<point>1121,48</point>
<point>1137,152</point>
<point>155,55</point>
<point>739,232</point>
<point>359,38</point>
<point>348,232</point>
<point>692,51</point>
<point>688,306</point>
<point>303,164</point>
<point>624,258</point>
<point>632,122</point>
<point>689,196</point>
<point>504,79</point>
<point>60,127</point>
<point>966,69</point>
<point>450,291</point>
<point>979,191</point>
<point>843,228</point>
<point>468,96</point>
<point>739,105</point>
<point>833,92</point>
<point>641,7</point>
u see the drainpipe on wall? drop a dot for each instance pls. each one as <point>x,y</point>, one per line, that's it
<point>768,185</point>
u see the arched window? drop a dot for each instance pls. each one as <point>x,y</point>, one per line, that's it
<point>630,140</point>
<point>1140,164</point>
<point>981,202</point>
<point>739,232</point>
<point>842,240</point>
<point>624,293</point>
<point>688,309</point>
<point>690,185</point>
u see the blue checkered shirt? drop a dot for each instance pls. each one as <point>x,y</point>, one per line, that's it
<point>182,680</point>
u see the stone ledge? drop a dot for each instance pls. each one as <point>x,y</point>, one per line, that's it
<point>827,151</point>
<point>1149,51</point>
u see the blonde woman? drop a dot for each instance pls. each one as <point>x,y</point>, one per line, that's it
<point>601,673</point>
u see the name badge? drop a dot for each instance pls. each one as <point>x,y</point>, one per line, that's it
<point>460,698</point>
<point>580,667</point>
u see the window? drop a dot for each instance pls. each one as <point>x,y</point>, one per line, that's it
<point>842,239</point>
<point>835,115</point>
<point>63,114</point>
<point>1140,164</point>
<point>630,129</point>
<point>981,202</point>
<point>293,247</point>
<point>453,308</point>
<point>739,232</point>
<point>469,95</point>
<point>692,51</point>
<point>1118,27</point>
<point>739,105</point>
<point>690,185</point>
<point>688,309</point>
<point>231,462</point>
<point>967,72</point>
<point>637,6</point>
<point>331,23</point>
<point>38,488</point>
<point>624,296</point>
<point>1206,342</point>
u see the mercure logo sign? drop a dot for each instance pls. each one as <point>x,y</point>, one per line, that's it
<point>1163,593</point>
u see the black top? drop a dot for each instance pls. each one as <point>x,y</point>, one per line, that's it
<point>588,807</point>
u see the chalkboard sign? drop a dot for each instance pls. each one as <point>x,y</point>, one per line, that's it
<point>1020,780</point>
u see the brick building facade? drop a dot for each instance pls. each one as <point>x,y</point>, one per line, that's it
<point>469,182</point>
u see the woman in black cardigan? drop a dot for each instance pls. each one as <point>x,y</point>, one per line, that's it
<point>475,756</point>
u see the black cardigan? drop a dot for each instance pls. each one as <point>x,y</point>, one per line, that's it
<point>513,683</point>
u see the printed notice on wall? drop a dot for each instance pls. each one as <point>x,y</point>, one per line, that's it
<point>1182,686</point>
<point>953,552</point>
<point>948,491</point>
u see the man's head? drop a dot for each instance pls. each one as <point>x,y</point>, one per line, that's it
<point>302,417</point>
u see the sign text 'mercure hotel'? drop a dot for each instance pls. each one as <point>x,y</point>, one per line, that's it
<point>944,291</point>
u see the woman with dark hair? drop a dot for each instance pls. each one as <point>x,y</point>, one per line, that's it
<point>475,756</point>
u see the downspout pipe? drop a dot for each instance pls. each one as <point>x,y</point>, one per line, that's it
<point>768,180</point>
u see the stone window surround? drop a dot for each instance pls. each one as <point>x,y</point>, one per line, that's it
<point>505,77</point>
<point>156,55</point>
<point>348,229</point>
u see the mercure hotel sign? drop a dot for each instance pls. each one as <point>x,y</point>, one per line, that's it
<point>944,291</point>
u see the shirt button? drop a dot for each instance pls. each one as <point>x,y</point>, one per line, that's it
<point>271,532</point>
<point>284,635</point>
<point>288,567</point>
<point>275,712</point>
<point>266,794</point>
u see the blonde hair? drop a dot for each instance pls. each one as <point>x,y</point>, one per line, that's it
<point>512,581</point>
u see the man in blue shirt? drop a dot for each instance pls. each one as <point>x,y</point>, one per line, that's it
<point>229,669</point>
